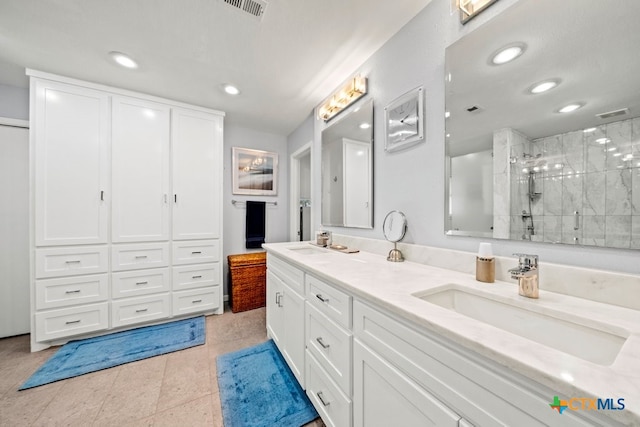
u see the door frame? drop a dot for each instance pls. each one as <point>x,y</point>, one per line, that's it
<point>294,189</point>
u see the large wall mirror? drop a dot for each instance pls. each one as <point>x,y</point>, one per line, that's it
<point>347,168</point>
<point>520,168</point>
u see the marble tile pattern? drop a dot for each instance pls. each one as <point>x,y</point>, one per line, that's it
<point>175,389</point>
<point>369,277</point>
<point>594,172</point>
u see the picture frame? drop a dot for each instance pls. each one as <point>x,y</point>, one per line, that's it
<point>254,172</point>
<point>404,121</point>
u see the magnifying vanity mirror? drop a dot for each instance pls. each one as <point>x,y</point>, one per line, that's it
<point>394,228</point>
<point>519,168</point>
<point>347,168</point>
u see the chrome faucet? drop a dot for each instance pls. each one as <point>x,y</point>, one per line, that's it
<point>527,275</point>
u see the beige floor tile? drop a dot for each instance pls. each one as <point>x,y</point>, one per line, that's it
<point>22,408</point>
<point>198,412</point>
<point>186,377</point>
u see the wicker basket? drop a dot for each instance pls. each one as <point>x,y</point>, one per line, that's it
<point>248,278</point>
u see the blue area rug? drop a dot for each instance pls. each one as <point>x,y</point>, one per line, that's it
<point>257,389</point>
<point>93,354</point>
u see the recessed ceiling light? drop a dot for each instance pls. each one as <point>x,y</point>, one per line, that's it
<point>603,141</point>
<point>230,89</point>
<point>543,86</point>
<point>123,60</point>
<point>569,108</point>
<point>508,54</point>
<point>365,125</point>
<point>589,130</point>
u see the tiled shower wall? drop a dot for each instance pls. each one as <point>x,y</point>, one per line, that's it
<point>586,187</point>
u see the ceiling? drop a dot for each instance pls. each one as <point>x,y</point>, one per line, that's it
<point>284,64</point>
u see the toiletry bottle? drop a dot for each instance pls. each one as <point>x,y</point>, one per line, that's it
<point>485,264</point>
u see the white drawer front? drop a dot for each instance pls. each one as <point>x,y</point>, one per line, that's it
<point>290,275</point>
<point>332,405</point>
<point>71,261</point>
<point>54,293</point>
<point>195,301</point>
<point>67,322</point>
<point>140,282</point>
<point>329,300</point>
<point>196,276</point>
<point>331,345</point>
<point>196,252</point>
<point>138,310</point>
<point>135,257</point>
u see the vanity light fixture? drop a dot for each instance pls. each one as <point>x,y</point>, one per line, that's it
<point>471,8</point>
<point>569,108</point>
<point>507,53</point>
<point>543,86</point>
<point>603,141</point>
<point>353,90</point>
<point>230,89</point>
<point>123,60</point>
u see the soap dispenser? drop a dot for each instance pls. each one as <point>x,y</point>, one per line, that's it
<point>485,264</point>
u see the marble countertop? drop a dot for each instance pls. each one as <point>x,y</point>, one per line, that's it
<point>370,277</point>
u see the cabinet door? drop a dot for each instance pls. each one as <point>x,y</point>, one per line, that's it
<point>70,134</point>
<point>384,396</point>
<point>294,343</point>
<point>140,158</point>
<point>275,319</point>
<point>197,178</point>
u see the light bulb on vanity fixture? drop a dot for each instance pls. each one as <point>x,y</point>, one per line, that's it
<point>471,8</point>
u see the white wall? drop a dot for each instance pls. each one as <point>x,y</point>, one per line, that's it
<point>413,180</point>
<point>277,217</point>
<point>14,102</point>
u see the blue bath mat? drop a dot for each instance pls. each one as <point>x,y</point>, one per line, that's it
<point>93,354</point>
<point>257,389</point>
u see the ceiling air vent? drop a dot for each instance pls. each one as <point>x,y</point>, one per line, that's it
<point>614,113</point>
<point>254,8</point>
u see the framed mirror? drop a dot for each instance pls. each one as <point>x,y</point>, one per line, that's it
<point>347,168</point>
<point>560,165</point>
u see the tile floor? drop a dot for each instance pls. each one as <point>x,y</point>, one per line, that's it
<point>176,389</point>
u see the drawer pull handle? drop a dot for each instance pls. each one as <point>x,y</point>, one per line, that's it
<point>196,252</point>
<point>71,322</point>
<point>73,261</point>
<point>142,310</point>
<point>320,396</point>
<point>140,256</point>
<point>321,342</point>
<point>142,283</point>
<point>196,301</point>
<point>321,298</point>
<point>75,291</point>
<point>196,277</point>
<point>278,298</point>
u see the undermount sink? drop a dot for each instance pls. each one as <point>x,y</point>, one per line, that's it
<point>569,334</point>
<point>307,250</point>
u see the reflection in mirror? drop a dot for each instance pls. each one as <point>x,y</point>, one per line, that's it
<point>519,168</point>
<point>347,166</point>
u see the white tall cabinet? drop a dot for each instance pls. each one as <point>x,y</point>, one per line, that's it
<point>126,209</point>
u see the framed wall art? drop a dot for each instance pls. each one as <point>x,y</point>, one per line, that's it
<point>404,121</point>
<point>255,172</point>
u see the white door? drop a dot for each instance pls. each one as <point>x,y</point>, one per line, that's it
<point>14,231</point>
<point>275,312</point>
<point>71,137</point>
<point>140,170</point>
<point>294,342</point>
<point>357,191</point>
<point>197,178</point>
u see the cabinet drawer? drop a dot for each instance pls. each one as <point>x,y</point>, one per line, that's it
<point>134,257</point>
<point>195,301</point>
<point>289,274</point>
<point>54,293</point>
<point>140,282</point>
<point>332,405</point>
<point>138,310</point>
<point>71,261</point>
<point>331,345</point>
<point>334,303</point>
<point>67,322</point>
<point>196,252</point>
<point>196,276</point>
